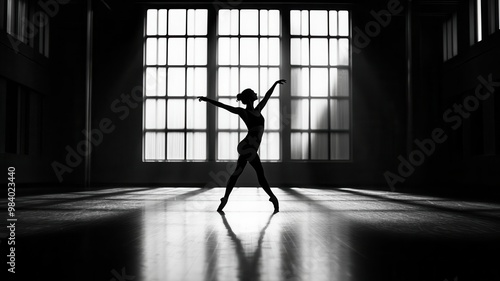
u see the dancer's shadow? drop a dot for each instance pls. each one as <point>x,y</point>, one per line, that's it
<point>248,267</point>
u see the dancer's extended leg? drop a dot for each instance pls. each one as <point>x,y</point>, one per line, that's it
<point>240,166</point>
<point>257,165</point>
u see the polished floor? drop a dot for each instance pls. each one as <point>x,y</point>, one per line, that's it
<point>175,234</point>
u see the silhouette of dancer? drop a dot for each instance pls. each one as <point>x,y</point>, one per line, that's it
<point>248,147</point>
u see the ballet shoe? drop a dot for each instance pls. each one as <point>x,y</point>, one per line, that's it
<point>275,204</point>
<point>223,202</point>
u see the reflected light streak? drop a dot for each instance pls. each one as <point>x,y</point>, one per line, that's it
<point>182,243</point>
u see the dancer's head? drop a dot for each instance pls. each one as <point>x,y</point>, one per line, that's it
<point>247,96</point>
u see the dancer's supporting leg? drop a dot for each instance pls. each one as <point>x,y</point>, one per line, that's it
<point>257,165</point>
<point>240,166</point>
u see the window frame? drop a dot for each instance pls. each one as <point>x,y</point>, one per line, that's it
<point>285,72</point>
<point>241,131</point>
<point>186,66</point>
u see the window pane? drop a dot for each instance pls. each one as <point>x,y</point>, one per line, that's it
<point>224,51</point>
<point>339,114</point>
<point>270,146</point>
<point>151,51</point>
<point>162,82</point>
<point>224,22</point>
<point>270,22</point>
<point>234,51</point>
<point>196,82</point>
<point>196,146</point>
<point>151,81</point>
<point>162,22</point>
<point>300,114</point>
<point>162,51</point>
<point>249,78</point>
<point>197,51</point>
<point>264,22</point>
<point>227,120</point>
<point>295,51</point>
<point>319,146</point>
<point>333,23</point>
<point>249,22</point>
<point>175,113</point>
<point>196,114</point>
<point>154,146</point>
<point>300,82</point>
<point>319,114</point>
<point>176,51</point>
<point>339,143</point>
<point>274,51</point>
<point>152,22</point>
<point>176,82</point>
<point>224,81</point>
<point>319,52</point>
<point>343,23</point>
<point>249,53</point>
<point>479,21</point>
<point>319,82</point>
<point>304,23</point>
<point>264,51</point>
<point>274,22</point>
<point>227,145</point>
<point>319,23</point>
<point>343,82</point>
<point>333,51</point>
<point>295,22</point>
<point>155,114</point>
<point>299,51</point>
<point>267,78</point>
<point>299,146</point>
<point>271,113</point>
<point>175,146</point>
<point>343,52</point>
<point>177,22</point>
<point>197,22</point>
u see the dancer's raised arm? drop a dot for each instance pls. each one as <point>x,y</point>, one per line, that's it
<point>229,108</point>
<point>263,102</point>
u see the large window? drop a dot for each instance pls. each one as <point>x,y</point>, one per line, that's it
<point>320,85</point>
<point>239,49</point>
<point>27,23</point>
<point>175,74</point>
<point>248,57</point>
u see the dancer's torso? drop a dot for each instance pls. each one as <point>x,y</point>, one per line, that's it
<point>255,125</point>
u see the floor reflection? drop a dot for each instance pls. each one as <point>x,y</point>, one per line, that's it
<point>175,234</point>
<point>180,243</point>
<point>248,267</point>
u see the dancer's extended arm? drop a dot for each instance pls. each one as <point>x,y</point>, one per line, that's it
<point>263,102</point>
<point>229,108</point>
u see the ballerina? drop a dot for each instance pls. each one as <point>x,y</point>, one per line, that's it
<point>248,147</point>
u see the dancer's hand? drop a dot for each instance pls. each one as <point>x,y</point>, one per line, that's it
<point>202,98</point>
<point>281,82</point>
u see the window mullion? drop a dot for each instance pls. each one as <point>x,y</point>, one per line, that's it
<point>285,96</point>
<point>212,71</point>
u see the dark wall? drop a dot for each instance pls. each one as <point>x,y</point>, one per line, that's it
<point>58,81</point>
